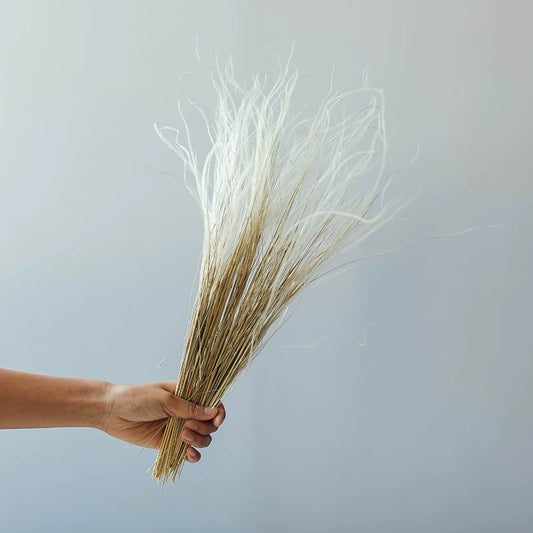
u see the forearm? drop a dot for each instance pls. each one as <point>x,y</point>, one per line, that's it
<point>37,401</point>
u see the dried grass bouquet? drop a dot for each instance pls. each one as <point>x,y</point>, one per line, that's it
<point>281,195</point>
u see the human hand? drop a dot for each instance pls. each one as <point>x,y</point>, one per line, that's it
<point>138,414</point>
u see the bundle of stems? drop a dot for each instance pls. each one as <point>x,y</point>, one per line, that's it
<point>280,196</point>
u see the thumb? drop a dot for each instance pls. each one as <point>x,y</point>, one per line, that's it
<point>180,408</point>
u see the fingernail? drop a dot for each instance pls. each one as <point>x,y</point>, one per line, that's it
<point>210,410</point>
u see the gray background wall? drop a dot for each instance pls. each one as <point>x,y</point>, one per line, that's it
<point>426,426</point>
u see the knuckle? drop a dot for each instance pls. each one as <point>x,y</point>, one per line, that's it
<point>193,426</point>
<point>207,428</point>
<point>193,455</point>
<point>202,441</point>
<point>192,409</point>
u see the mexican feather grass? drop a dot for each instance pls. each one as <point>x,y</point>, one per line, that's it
<point>281,196</point>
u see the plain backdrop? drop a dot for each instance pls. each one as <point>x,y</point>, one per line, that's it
<point>414,413</point>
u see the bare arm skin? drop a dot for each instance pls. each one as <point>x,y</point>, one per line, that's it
<point>134,413</point>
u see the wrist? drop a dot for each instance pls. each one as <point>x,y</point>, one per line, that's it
<point>102,405</point>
